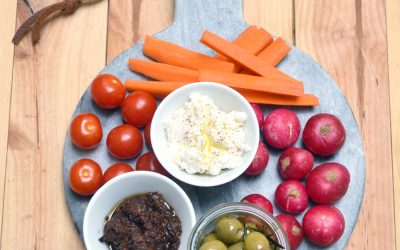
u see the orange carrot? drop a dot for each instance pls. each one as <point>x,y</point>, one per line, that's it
<point>246,35</point>
<point>273,99</point>
<point>169,53</point>
<point>273,54</point>
<point>156,89</point>
<point>253,40</point>
<point>240,56</point>
<point>162,72</point>
<point>162,89</point>
<point>255,83</point>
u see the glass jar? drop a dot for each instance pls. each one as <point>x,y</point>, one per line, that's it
<point>240,210</point>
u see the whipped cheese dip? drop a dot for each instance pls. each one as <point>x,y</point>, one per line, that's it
<point>202,139</point>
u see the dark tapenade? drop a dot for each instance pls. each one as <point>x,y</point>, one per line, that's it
<point>143,221</point>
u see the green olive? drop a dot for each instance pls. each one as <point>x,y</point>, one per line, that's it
<point>229,230</point>
<point>237,246</point>
<point>256,241</point>
<point>213,245</point>
<point>209,237</point>
<point>251,227</point>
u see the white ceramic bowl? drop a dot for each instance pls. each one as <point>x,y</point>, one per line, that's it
<point>129,184</point>
<point>227,100</point>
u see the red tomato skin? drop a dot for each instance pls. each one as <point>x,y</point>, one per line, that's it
<point>147,138</point>
<point>115,170</point>
<point>85,177</point>
<point>124,142</point>
<point>107,91</point>
<point>138,108</point>
<point>149,162</point>
<point>86,131</point>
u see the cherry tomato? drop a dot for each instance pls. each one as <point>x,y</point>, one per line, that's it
<point>124,141</point>
<point>107,91</point>
<point>85,177</point>
<point>138,108</point>
<point>86,131</point>
<point>147,135</point>
<point>115,170</point>
<point>149,162</point>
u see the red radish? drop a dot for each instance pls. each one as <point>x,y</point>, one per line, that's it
<point>328,183</point>
<point>259,200</point>
<point>323,225</point>
<point>292,229</point>
<point>324,134</point>
<point>260,160</point>
<point>281,128</point>
<point>295,163</point>
<point>259,114</point>
<point>259,223</point>
<point>291,197</point>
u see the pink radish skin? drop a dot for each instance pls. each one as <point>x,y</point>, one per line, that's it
<point>323,225</point>
<point>259,200</point>
<point>324,134</point>
<point>260,161</point>
<point>291,197</point>
<point>292,229</point>
<point>328,183</point>
<point>259,114</point>
<point>281,128</point>
<point>295,163</point>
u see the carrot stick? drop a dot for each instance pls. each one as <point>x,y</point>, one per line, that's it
<point>240,56</point>
<point>273,54</point>
<point>162,72</point>
<point>156,89</point>
<point>273,99</point>
<point>246,35</point>
<point>169,53</point>
<point>253,40</point>
<point>162,89</point>
<point>255,83</point>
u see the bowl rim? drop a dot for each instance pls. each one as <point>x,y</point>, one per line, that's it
<point>135,174</point>
<point>217,180</point>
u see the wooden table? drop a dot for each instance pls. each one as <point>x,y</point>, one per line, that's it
<point>356,41</point>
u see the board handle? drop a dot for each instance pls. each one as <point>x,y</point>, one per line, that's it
<point>211,11</point>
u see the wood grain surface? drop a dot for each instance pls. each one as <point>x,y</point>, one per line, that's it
<point>48,81</point>
<point>130,21</point>
<point>354,52</point>
<point>393,24</point>
<point>8,13</point>
<point>349,38</point>
<point>275,16</point>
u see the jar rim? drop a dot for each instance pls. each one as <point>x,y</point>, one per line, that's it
<point>232,208</point>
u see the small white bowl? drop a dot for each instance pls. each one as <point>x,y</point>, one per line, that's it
<point>227,100</point>
<point>123,186</point>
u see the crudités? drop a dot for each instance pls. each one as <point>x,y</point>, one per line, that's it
<point>202,139</point>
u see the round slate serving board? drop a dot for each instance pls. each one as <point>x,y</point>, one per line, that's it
<point>225,18</point>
